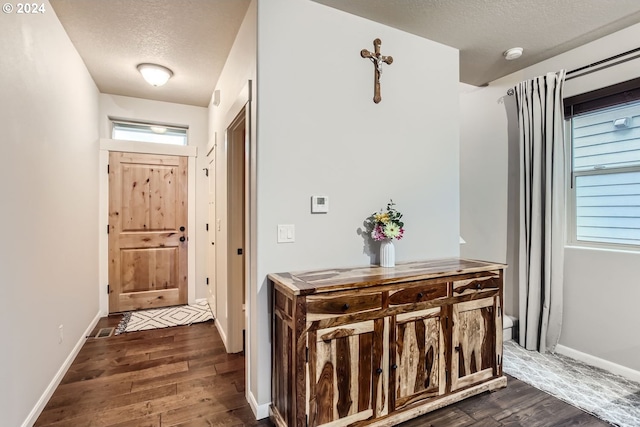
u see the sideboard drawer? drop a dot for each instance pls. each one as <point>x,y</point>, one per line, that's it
<point>420,293</point>
<point>491,281</point>
<point>344,304</point>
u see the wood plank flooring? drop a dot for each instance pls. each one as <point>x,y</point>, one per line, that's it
<point>179,376</point>
<point>182,376</point>
<point>517,405</point>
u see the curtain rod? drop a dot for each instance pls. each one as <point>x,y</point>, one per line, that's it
<point>590,67</point>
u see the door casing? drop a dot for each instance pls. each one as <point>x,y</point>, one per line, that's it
<point>236,141</point>
<point>107,145</point>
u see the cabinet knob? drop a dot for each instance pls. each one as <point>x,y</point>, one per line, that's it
<point>457,348</point>
<point>394,366</point>
<point>420,295</point>
<point>478,286</point>
<point>345,307</point>
<point>379,371</point>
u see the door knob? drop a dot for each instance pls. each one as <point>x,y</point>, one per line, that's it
<point>182,228</point>
<point>182,238</point>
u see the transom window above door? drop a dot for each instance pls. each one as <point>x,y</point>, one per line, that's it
<point>148,132</point>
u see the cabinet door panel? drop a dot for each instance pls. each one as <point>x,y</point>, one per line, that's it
<point>343,374</point>
<point>474,342</point>
<point>283,371</point>
<point>419,357</point>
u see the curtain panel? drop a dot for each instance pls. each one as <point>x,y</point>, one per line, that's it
<point>542,198</point>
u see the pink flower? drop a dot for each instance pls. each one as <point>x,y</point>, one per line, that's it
<point>378,233</point>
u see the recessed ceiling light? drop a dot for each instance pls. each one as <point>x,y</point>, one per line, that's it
<point>513,53</point>
<point>154,74</point>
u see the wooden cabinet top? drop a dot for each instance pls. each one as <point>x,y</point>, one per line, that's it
<point>315,281</point>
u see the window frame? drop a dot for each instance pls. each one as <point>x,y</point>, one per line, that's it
<point>149,125</point>
<point>611,96</point>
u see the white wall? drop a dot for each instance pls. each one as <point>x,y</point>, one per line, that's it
<point>48,182</point>
<point>486,182</point>
<point>196,119</point>
<point>600,286</point>
<point>232,86</point>
<point>319,132</point>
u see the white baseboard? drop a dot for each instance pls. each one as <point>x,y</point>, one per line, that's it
<point>42,402</point>
<point>223,336</point>
<point>623,371</point>
<point>260,411</point>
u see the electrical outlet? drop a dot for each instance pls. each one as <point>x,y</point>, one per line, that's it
<point>60,334</point>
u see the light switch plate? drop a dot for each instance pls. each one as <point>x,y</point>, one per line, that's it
<point>319,204</point>
<point>286,233</point>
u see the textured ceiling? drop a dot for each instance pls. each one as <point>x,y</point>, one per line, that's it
<point>194,37</point>
<point>191,37</point>
<point>483,29</point>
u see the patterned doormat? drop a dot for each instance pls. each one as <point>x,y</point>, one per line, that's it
<point>158,318</point>
<point>609,397</point>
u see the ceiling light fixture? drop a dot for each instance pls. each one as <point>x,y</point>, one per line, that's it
<point>154,74</point>
<point>513,53</point>
<point>158,129</point>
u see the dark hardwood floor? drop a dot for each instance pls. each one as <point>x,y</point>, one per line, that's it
<point>517,405</point>
<point>178,376</point>
<point>182,376</point>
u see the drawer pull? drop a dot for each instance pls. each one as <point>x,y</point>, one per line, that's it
<point>345,307</point>
<point>420,295</point>
<point>379,371</point>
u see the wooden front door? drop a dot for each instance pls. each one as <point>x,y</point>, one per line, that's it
<point>147,231</point>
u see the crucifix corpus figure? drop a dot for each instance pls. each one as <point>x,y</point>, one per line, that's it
<point>377,60</point>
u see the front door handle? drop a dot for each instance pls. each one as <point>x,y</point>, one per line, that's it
<point>182,238</point>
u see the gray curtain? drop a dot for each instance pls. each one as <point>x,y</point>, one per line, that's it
<point>542,192</point>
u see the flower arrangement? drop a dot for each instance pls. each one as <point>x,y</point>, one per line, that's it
<point>386,224</point>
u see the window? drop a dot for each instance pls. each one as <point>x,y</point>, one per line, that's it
<point>604,195</point>
<point>146,132</point>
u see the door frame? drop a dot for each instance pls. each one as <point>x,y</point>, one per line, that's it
<point>107,145</point>
<point>235,146</point>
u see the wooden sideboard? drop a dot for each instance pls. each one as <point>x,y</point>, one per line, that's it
<point>375,346</point>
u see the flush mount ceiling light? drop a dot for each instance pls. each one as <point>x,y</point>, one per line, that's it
<point>513,53</point>
<point>158,129</point>
<point>154,74</point>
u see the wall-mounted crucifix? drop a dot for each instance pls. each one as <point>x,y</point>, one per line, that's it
<point>377,60</point>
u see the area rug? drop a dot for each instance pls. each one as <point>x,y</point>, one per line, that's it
<point>158,318</point>
<point>609,397</point>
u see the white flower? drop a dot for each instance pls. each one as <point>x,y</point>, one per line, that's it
<point>391,230</point>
